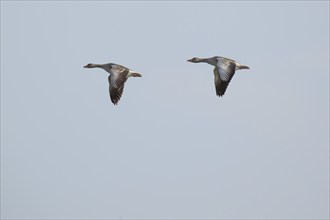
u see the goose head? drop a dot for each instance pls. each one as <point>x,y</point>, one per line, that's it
<point>90,65</point>
<point>195,60</point>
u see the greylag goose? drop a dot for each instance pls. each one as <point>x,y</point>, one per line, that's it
<point>223,72</point>
<point>117,78</point>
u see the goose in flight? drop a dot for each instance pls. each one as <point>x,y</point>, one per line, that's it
<point>117,78</point>
<point>223,72</point>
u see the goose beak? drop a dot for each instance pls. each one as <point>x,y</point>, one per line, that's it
<point>86,66</point>
<point>190,60</point>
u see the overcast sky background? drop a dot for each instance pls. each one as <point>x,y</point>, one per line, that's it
<point>171,148</point>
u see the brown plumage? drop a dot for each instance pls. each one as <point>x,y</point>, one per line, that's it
<point>223,72</point>
<point>117,78</point>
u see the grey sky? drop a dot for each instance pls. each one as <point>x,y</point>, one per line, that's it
<point>171,148</point>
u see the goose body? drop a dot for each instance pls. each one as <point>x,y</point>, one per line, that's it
<point>117,78</point>
<point>224,70</point>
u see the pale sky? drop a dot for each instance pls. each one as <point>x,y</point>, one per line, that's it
<point>171,148</point>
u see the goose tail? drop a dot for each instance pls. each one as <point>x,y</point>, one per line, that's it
<point>136,74</point>
<point>240,66</point>
<point>133,74</point>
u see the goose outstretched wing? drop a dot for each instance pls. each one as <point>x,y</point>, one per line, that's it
<point>117,81</point>
<point>223,73</point>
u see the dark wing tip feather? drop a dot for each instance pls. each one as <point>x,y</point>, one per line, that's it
<point>115,94</point>
<point>221,88</point>
<point>220,85</point>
